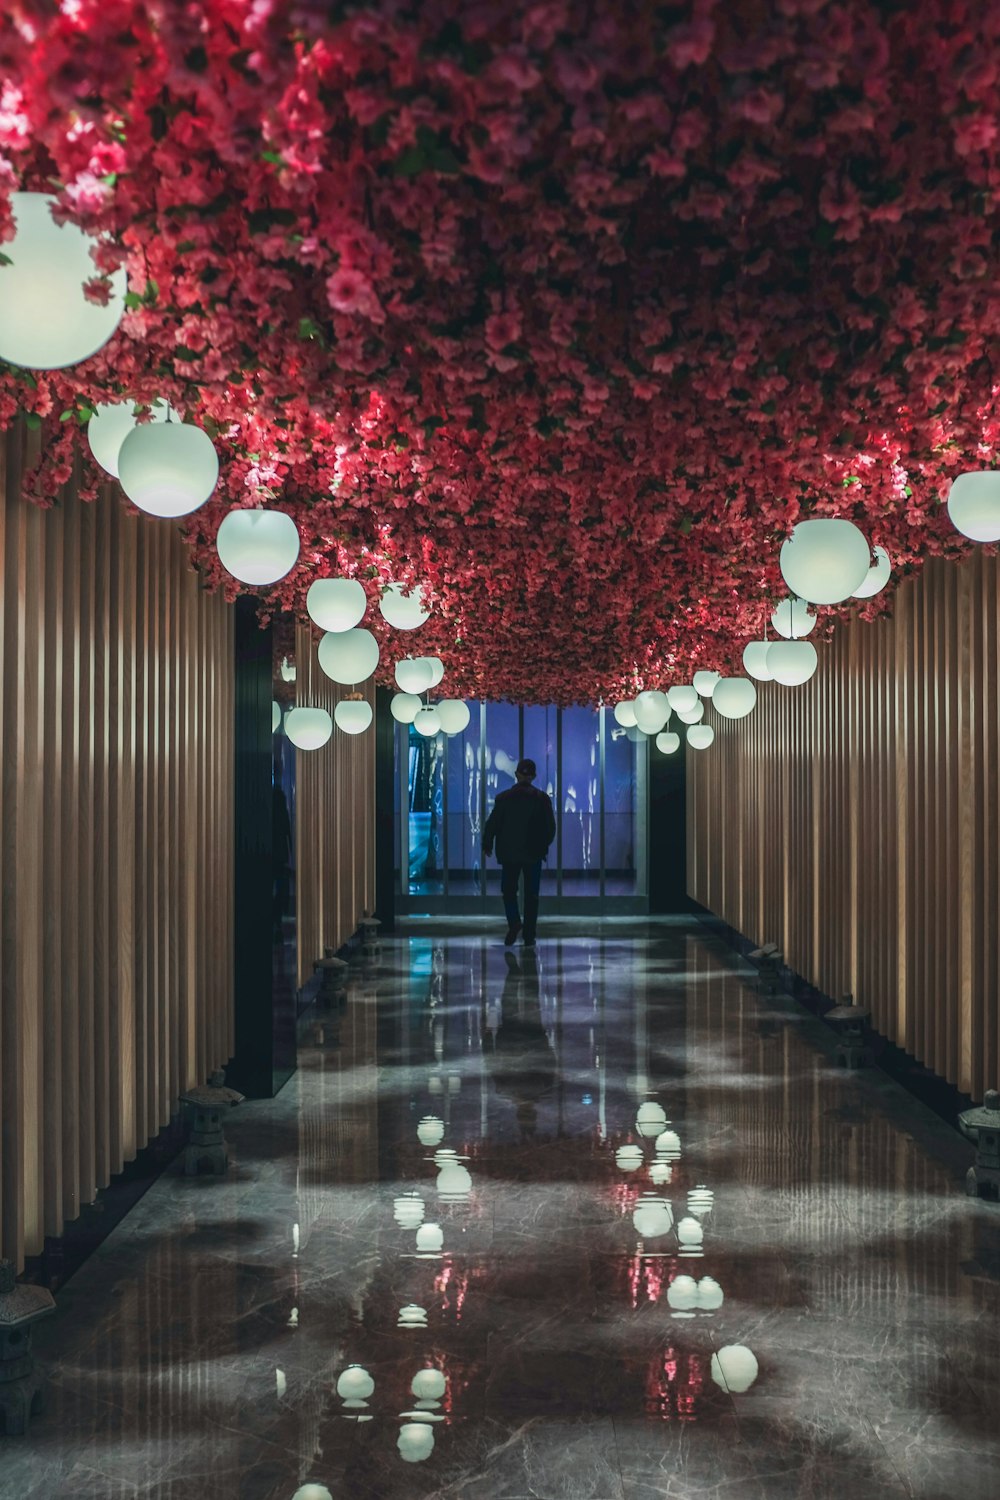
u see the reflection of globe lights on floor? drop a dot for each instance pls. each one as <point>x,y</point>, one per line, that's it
<point>415,1442</point>
<point>668,1145</point>
<point>629,1158</point>
<point>454,1184</point>
<point>701,1200</point>
<point>660,1172</point>
<point>651,1119</point>
<point>408,1210</point>
<point>435,1084</point>
<point>652,1217</point>
<point>428,1384</point>
<point>430,1130</point>
<point>412,1316</point>
<point>710,1294</point>
<point>430,1239</point>
<point>734,1368</point>
<point>690,1235</point>
<point>682,1294</point>
<point>354,1386</point>
<point>312,1492</point>
<point>444,1156</point>
<point>454,1083</point>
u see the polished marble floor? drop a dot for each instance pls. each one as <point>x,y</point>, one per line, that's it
<point>446,1262</point>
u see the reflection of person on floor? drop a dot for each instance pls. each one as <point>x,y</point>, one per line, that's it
<point>281,858</point>
<point>519,1055</point>
<point>522,825</point>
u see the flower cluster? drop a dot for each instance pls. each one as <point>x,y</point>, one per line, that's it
<point>568,310</point>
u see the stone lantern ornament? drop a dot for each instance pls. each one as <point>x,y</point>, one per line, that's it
<point>982,1125</point>
<point>333,976</point>
<point>20,1386</point>
<point>850,1022</point>
<point>206,1149</point>
<point>370,930</point>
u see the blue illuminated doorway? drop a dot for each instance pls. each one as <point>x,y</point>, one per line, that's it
<point>595,772</point>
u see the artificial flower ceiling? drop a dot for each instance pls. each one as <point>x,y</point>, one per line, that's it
<point>568,310</point>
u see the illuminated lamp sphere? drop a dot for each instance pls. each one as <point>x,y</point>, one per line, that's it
<point>308,728</point>
<point>877,577</point>
<point>653,699</point>
<point>110,426</point>
<point>629,1158</point>
<point>170,468</point>
<point>650,717</point>
<point>414,674</point>
<point>636,736</point>
<point>710,1294</point>
<point>973,502</point>
<point>668,742</point>
<point>825,560</point>
<point>428,1385</point>
<point>403,611</point>
<point>405,707</point>
<point>682,1294</point>
<point>734,1368</point>
<point>415,1442</point>
<point>46,322</point>
<point>355,1384</point>
<point>436,666</point>
<point>427,722</point>
<point>692,715</point>
<point>793,619</point>
<point>275,716</point>
<point>755,660</point>
<point>625,714</point>
<point>454,715</point>
<point>336,604</point>
<point>652,1217</point>
<point>454,1181</point>
<point>430,1131</point>
<point>348,656</point>
<point>682,699</point>
<point>704,683</point>
<point>660,1172</point>
<point>668,1145</point>
<point>792,662</point>
<point>312,1492</point>
<point>690,1232</point>
<point>289,671</point>
<point>734,697</point>
<point>353,715</point>
<point>651,1119</point>
<point>257,546</point>
<point>700,736</point>
<point>408,1211</point>
<point>430,1238</point>
<point>412,1315</point>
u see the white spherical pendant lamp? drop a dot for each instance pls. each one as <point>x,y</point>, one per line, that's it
<point>414,674</point>
<point>46,322</point>
<point>734,1368</point>
<point>692,715</point>
<point>667,742</point>
<point>405,707</point>
<point>353,715</point>
<point>355,1384</point>
<point>110,426</point>
<point>700,736</point>
<point>652,1217</point>
<point>628,1158</point>
<point>734,697</point>
<point>275,716</point>
<point>427,722</point>
<point>428,1384</point>
<point>436,667</point>
<point>625,714</point>
<point>792,662</point>
<point>710,1294</point>
<point>454,715</point>
<point>973,502</point>
<point>704,683</point>
<point>755,660</point>
<point>793,619</point>
<point>336,604</point>
<point>682,698</point>
<point>825,560</point>
<point>682,1294</point>
<point>348,656</point>
<point>258,546</point>
<point>430,1239</point>
<point>415,1442</point>
<point>430,1131</point>
<point>650,717</point>
<point>877,576</point>
<point>655,701</point>
<point>651,1119</point>
<point>170,468</point>
<point>403,611</point>
<point>308,728</point>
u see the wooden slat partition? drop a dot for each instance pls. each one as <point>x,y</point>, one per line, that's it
<point>334,820</point>
<point>854,820</point>
<point>116,835</point>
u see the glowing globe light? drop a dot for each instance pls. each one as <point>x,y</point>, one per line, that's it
<point>652,698</point>
<point>415,1442</point>
<point>403,611</point>
<point>454,715</point>
<point>427,722</point>
<point>650,717</point>
<point>415,674</point>
<point>877,577</point>
<point>734,697</point>
<point>348,656</point>
<point>629,1158</point>
<point>405,707</point>
<point>792,662</point>
<point>408,1211</point>
<point>46,322</point>
<point>682,1294</point>
<point>690,1232</point>
<point>668,742</point>
<point>308,728</point>
<point>257,546</point>
<point>428,1385</point>
<point>430,1239</point>
<point>436,666</point>
<point>275,716</point>
<point>170,468</point>
<point>454,1182</point>
<point>734,1368</point>
<point>652,1217</point>
<point>692,715</point>
<point>710,1294</point>
<point>973,502</point>
<point>430,1130</point>
<point>682,699</point>
<point>825,560</point>
<point>755,660</point>
<point>355,1384</point>
<point>353,715</point>
<point>704,683</point>
<point>668,1145</point>
<point>701,736</point>
<point>793,619</point>
<point>110,426</point>
<point>312,1492</point>
<point>412,1315</point>
<point>336,604</point>
<point>651,1119</point>
<point>625,714</point>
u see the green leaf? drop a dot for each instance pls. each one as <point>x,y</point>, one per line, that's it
<point>687,524</point>
<point>409,162</point>
<point>5,260</point>
<point>67,415</point>
<point>32,420</point>
<point>132,300</point>
<point>274,157</point>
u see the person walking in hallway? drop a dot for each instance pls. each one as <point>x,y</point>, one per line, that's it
<point>522,825</point>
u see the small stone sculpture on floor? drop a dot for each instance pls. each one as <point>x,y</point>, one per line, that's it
<point>982,1125</point>
<point>370,928</point>
<point>20,1383</point>
<point>333,977</point>
<point>206,1148</point>
<point>850,1022</point>
<point>768,961</point>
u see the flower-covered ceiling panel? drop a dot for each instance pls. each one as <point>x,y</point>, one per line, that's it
<point>567,311</point>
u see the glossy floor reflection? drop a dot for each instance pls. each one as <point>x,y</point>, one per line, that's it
<point>448,1262</point>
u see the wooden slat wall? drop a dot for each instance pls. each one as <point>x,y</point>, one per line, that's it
<point>854,820</point>
<point>116,834</point>
<point>334,820</point>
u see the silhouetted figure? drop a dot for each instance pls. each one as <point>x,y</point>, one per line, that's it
<point>520,1056</point>
<point>522,825</point>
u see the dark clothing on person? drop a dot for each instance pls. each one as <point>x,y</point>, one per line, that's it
<point>522,825</point>
<point>510,879</point>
